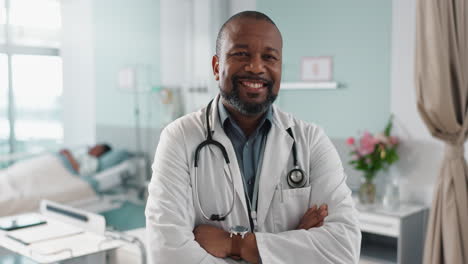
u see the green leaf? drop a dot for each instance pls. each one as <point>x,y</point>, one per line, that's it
<point>388,128</point>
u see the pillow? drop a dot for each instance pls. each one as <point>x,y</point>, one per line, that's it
<point>112,158</point>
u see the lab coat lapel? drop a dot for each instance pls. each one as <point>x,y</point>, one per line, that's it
<point>221,137</point>
<point>275,159</point>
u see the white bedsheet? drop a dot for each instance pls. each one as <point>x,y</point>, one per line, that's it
<point>24,184</point>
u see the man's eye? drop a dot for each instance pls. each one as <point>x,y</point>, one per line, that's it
<point>240,53</point>
<point>269,57</point>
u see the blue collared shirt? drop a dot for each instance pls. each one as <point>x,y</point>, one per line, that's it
<point>248,150</point>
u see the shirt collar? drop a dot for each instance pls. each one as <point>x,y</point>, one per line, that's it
<point>224,115</point>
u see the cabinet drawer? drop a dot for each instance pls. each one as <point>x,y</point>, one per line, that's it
<point>379,224</point>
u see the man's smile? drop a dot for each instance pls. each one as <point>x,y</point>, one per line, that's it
<point>253,86</point>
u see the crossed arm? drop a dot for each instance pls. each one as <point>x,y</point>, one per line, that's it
<point>219,243</point>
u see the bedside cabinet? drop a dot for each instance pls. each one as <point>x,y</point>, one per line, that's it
<point>393,236</point>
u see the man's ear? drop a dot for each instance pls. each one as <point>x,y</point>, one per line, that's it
<point>215,65</point>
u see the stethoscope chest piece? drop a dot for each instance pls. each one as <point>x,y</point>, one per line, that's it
<point>296,178</point>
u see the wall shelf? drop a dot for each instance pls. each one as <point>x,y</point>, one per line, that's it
<point>309,85</point>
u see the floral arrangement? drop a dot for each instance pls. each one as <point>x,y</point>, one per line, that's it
<point>374,152</point>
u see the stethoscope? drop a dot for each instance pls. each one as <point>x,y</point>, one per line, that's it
<point>296,178</point>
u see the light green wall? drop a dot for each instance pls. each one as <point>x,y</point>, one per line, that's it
<point>126,33</point>
<point>358,35</point>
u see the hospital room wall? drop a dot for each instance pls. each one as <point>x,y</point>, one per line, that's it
<point>77,52</point>
<point>99,39</point>
<point>126,35</point>
<point>357,34</point>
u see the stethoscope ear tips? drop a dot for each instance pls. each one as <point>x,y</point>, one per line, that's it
<point>296,178</point>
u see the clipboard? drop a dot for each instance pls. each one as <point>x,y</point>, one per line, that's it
<point>48,231</point>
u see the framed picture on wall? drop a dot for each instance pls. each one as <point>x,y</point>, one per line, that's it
<point>317,69</point>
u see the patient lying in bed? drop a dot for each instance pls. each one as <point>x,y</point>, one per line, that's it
<point>52,176</point>
<point>24,184</point>
<point>86,163</point>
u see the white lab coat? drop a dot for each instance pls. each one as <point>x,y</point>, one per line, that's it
<point>172,211</point>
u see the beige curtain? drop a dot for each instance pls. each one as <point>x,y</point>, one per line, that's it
<point>441,87</point>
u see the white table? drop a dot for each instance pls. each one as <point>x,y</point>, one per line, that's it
<point>69,236</point>
<point>393,236</point>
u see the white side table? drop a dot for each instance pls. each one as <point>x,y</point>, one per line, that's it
<point>393,236</point>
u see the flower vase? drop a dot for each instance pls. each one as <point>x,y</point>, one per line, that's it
<point>391,195</point>
<point>367,191</point>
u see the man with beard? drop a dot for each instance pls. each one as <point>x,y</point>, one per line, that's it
<point>242,181</point>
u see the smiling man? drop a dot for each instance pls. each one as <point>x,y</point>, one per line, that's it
<point>242,181</point>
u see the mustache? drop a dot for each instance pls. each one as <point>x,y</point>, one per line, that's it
<point>236,78</point>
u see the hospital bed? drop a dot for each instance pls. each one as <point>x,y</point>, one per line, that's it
<point>24,184</point>
<point>127,181</point>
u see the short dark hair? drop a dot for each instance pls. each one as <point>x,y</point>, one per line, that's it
<point>106,148</point>
<point>242,15</point>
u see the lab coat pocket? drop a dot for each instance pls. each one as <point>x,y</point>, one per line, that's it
<point>290,206</point>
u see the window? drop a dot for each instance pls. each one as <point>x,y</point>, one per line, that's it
<point>37,82</point>
<point>30,101</point>
<point>35,23</point>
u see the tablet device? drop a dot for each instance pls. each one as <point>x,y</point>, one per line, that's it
<point>21,221</point>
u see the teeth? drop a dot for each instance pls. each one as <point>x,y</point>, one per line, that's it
<point>253,84</point>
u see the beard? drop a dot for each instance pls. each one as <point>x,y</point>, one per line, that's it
<point>246,108</point>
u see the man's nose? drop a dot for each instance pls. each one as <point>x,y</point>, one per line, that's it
<point>255,65</point>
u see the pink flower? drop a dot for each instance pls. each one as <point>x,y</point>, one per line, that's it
<point>367,144</point>
<point>380,137</point>
<point>350,141</point>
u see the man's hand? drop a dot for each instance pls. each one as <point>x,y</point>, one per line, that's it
<point>214,240</point>
<point>313,217</point>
